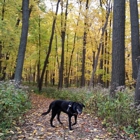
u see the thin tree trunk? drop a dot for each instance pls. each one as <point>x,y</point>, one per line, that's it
<point>101,65</point>
<point>56,49</point>
<point>74,41</point>
<point>137,89</point>
<point>1,42</point>
<point>39,46</point>
<point>84,47</point>
<point>63,34</point>
<point>106,61</point>
<point>66,71</point>
<point>100,45</point>
<point>49,50</point>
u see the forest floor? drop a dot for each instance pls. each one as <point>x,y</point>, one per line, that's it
<point>37,127</point>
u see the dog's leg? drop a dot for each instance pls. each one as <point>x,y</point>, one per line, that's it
<point>69,116</point>
<point>58,117</point>
<point>52,117</point>
<point>75,116</point>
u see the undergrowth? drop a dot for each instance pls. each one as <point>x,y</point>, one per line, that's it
<point>119,111</point>
<point>13,103</point>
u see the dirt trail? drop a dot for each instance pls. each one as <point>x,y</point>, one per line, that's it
<point>36,127</point>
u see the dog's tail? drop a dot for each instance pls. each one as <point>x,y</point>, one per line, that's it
<point>45,113</point>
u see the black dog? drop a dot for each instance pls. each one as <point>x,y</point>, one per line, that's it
<point>68,107</point>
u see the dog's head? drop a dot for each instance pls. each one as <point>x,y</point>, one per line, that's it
<point>79,108</point>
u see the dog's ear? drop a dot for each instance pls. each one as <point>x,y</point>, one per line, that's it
<point>83,105</point>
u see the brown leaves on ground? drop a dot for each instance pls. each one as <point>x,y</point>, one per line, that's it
<point>37,127</point>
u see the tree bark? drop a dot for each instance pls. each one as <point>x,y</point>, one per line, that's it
<point>63,34</point>
<point>23,41</point>
<point>134,36</point>
<point>118,46</point>
<point>39,46</point>
<point>84,46</point>
<point>1,42</point>
<point>137,89</point>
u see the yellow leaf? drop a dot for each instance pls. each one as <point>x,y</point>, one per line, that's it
<point>19,132</point>
<point>49,133</point>
<point>34,132</point>
<point>17,128</point>
<point>39,124</point>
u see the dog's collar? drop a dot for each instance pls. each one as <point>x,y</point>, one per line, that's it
<point>68,109</point>
<point>69,106</point>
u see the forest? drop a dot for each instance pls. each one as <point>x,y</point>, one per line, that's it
<point>76,38</point>
<point>81,50</point>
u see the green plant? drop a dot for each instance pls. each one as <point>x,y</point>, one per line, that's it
<point>13,103</point>
<point>129,130</point>
<point>119,111</point>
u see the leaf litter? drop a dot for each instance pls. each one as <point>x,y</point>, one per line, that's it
<point>37,127</point>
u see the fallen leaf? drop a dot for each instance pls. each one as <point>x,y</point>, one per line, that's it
<point>49,133</point>
<point>19,132</point>
<point>12,132</point>
<point>71,131</point>
<point>34,132</point>
<point>1,134</point>
<point>17,128</point>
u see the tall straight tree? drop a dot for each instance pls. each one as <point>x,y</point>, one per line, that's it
<point>49,49</point>
<point>63,34</point>
<point>135,47</point>
<point>1,42</point>
<point>84,45</point>
<point>118,46</point>
<point>74,42</point>
<point>23,40</point>
<point>134,36</point>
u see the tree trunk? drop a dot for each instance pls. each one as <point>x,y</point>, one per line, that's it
<point>49,50</point>
<point>84,46</point>
<point>101,65</point>
<point>95,62</point>
<point>118,46</point>
<point>134,36</point>
<point>4,68</point>
<point>137,89</point>
<point>39,46</point>
<point>66,81</point>
<point>63,34</point>
<point>23,41</point>
<point>106,62</point>
<point>74,41</point>
<point>1,42</point>
<point>56,50</point>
